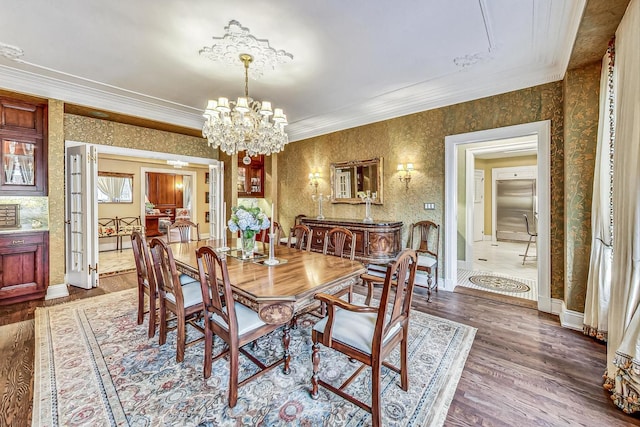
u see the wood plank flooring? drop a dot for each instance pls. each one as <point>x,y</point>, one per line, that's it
<point>523,369</point>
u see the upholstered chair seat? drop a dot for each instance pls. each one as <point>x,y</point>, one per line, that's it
<point>359,338</point>
<point>190,292</point>
<point>248,319</point>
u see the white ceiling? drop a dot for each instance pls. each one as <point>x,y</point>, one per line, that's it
<point>354,62</point>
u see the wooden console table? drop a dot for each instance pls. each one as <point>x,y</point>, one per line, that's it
<point>152,224</point>
<point>376,243</point>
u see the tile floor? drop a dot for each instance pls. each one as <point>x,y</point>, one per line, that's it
<point>503,259</point>
<point>112,262</point>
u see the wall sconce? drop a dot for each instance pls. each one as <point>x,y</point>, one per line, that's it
<point>313,181</point>
<point>407,173</point>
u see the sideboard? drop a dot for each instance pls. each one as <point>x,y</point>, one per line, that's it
<point>376,243</point>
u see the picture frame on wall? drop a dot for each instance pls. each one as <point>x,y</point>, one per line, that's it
<point>206,197</point>
<point>206,177</point>
<point>206,217</point>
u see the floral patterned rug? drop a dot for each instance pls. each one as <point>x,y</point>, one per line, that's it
<point>95,366</point>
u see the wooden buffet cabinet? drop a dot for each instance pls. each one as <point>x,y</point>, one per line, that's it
<point>376,243</point>
<point>24,252</point>
<point>24,266</point>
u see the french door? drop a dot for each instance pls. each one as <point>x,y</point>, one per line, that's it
<point>81,207</point>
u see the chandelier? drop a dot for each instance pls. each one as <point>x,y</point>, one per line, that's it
<point>246,124</point>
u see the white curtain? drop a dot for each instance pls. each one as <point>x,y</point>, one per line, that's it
<point>623,350</point>
<point>186,192</point>
<point>596,307</point>
<point>111,187</point>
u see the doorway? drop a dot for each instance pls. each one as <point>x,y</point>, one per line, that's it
<point>457,245</point>
<point>81,242</point>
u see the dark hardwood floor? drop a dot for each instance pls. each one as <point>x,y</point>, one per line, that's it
<point>523,369</point>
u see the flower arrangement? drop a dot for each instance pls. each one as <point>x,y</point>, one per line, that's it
<point>248,220</point>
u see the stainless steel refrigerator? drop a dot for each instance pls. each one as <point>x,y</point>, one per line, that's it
<point>514,197</point>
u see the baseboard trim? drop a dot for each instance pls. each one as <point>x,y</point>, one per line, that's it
<point>57,291</point>
<point>571,319</point>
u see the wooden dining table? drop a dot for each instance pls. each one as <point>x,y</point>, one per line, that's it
<point>276,292</point>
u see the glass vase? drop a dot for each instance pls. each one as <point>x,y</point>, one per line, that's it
<point>248,243</point>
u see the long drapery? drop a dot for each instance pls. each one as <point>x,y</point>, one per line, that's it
<point>596,309</point>
<point>623,349</point>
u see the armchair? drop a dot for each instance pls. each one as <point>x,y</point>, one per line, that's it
<point>369,334</point>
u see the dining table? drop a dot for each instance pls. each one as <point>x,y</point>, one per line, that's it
<point>280,292</point>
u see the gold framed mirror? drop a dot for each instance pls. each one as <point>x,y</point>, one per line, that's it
<point>352,181</point>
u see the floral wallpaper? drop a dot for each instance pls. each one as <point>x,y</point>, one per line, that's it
<point>581,98</point>
<point>420,138</point>
<point>56,193</point>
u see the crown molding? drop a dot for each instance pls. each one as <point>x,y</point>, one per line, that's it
<point>422,97</point>
<point>138,106</point>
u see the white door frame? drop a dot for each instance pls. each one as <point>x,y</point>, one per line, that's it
<point>132,152</point>
<point>478,173</point>
<point>543,131</point>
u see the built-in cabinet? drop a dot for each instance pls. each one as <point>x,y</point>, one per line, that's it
<point>251,177</point>
<point>376,243</point>
<point>165,191</point>
<point>24,253</point>
<point>23,149</point>
<point>24,266</point>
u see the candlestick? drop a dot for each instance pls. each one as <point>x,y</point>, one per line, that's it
<point>320,198</point>
<point>272,260</point>
<point>224,247</point>
<point>273,215</point>
<point>367,208</point>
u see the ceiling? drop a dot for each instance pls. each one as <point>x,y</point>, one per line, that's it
<point>353,63</point>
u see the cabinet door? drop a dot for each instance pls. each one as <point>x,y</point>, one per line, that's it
<point>381,243</point>
<point>23,267</point>
<point>251,178</point>
<point>22,148</point>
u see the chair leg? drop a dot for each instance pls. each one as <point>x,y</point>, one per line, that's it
<point>140,305</point>
<point>404,371</point>
<point>376,416</point>
<point>315,358</point>
<point>163,324</point>
<point>524,258</point>
<point>180,338</point>
<point>208,350</point>
<point>152,316</point>
<point>233,376</point>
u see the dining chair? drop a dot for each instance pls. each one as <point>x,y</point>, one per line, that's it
<point>184,300</point>
<point>337,240</point>
<point>533,235</point>
<point>340,242</point>
<point>236,324</point>
<point>146,280</point>
<point>424,238</point>
<point>369,334</point>
<point>264,234</point>
<point>185,231</point>
<point>300,237</point>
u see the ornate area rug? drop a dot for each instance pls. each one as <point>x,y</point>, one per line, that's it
<point>95,366</point>
<point>499,283</point>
